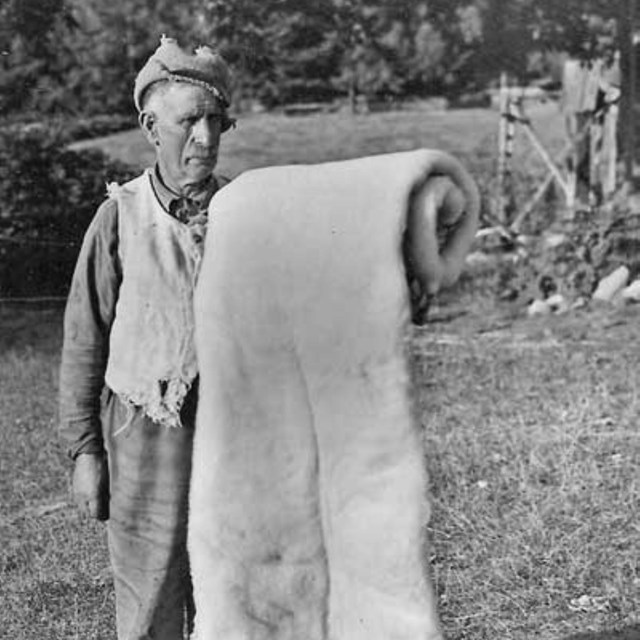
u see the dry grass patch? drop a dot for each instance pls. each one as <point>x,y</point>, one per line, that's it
<point>534,452</point>
<point>54,582</point>
<point>532,445</point>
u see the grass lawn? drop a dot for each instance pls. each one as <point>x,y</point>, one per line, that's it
<point>271,138</point>
<point>53,579</point>
<point>533,448</point>
<point>531,441</point>
<point>529,425</point>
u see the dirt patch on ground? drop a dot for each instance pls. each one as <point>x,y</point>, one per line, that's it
<point>508,325</point>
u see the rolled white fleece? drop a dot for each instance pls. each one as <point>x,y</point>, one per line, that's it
<point>309,501</point>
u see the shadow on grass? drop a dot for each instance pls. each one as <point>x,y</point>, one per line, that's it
<point>632,633</point>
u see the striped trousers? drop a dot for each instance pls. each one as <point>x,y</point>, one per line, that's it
<point>150,468</point>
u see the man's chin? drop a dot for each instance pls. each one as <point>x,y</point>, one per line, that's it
<point>200,168</point>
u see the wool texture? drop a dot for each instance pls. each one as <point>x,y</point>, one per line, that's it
<point>309,501</point>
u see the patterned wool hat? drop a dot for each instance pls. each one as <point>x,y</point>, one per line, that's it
<point>205,68</point>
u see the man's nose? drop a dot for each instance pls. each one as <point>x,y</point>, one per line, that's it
<point>206,132</point>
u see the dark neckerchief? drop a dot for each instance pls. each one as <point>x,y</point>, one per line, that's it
<point>185,206</point>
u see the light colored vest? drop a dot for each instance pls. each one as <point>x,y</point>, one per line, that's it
<point>152,357</point>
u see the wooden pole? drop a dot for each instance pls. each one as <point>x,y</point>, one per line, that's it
<point>568,148</point>
<point>502,148</point>
<point>626,26</point>
<point>510,141</point>
<point>611,148</point>
<point>544,154</point>
<point>632,90</point>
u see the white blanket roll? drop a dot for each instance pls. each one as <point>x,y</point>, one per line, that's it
<point>308,502</point>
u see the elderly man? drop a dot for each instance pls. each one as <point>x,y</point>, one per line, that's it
<point>128,380</point>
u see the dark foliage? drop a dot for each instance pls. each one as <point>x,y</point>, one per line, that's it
<point>48,195</point>
<point>80,57</point>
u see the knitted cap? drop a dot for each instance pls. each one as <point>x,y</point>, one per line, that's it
<point>205,68</point>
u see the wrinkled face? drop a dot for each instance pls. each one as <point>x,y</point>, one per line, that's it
<point>183,122</point>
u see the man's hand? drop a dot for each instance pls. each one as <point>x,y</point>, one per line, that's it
<point>90,485</point>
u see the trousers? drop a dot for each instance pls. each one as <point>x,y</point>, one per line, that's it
<point>149,473</point>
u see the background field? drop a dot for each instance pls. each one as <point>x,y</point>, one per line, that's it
<point>530,433</point>
<point>269,138</point>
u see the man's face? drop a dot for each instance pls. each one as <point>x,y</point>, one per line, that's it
<point>183,121</point>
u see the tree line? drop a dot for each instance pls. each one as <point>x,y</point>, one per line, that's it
<point>79,57</point>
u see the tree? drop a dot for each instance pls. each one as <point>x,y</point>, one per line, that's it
<point>31,43</point>
<point>302,49</point>
<point>582,28</point>
<point>74,57</point>
<point>81,56</point>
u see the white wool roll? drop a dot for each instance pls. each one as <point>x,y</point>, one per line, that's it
<point>308,498</point>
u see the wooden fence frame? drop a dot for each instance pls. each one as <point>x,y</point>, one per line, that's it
<point>511,115</point>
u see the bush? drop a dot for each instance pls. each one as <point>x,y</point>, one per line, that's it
<point>574,256</point>
<point>65,130</point>
<point>48,195</point>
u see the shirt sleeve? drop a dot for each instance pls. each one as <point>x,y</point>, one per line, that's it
<point>87,322</point>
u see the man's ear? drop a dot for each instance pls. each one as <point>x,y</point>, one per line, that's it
<point>148,124</point>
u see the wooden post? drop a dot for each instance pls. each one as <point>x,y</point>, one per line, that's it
<point>633,70</point>
<point>503,168</point>
<point>626,26</point>
<point>610,128</point>
<point>510,141</point>
<point>544,154</point>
